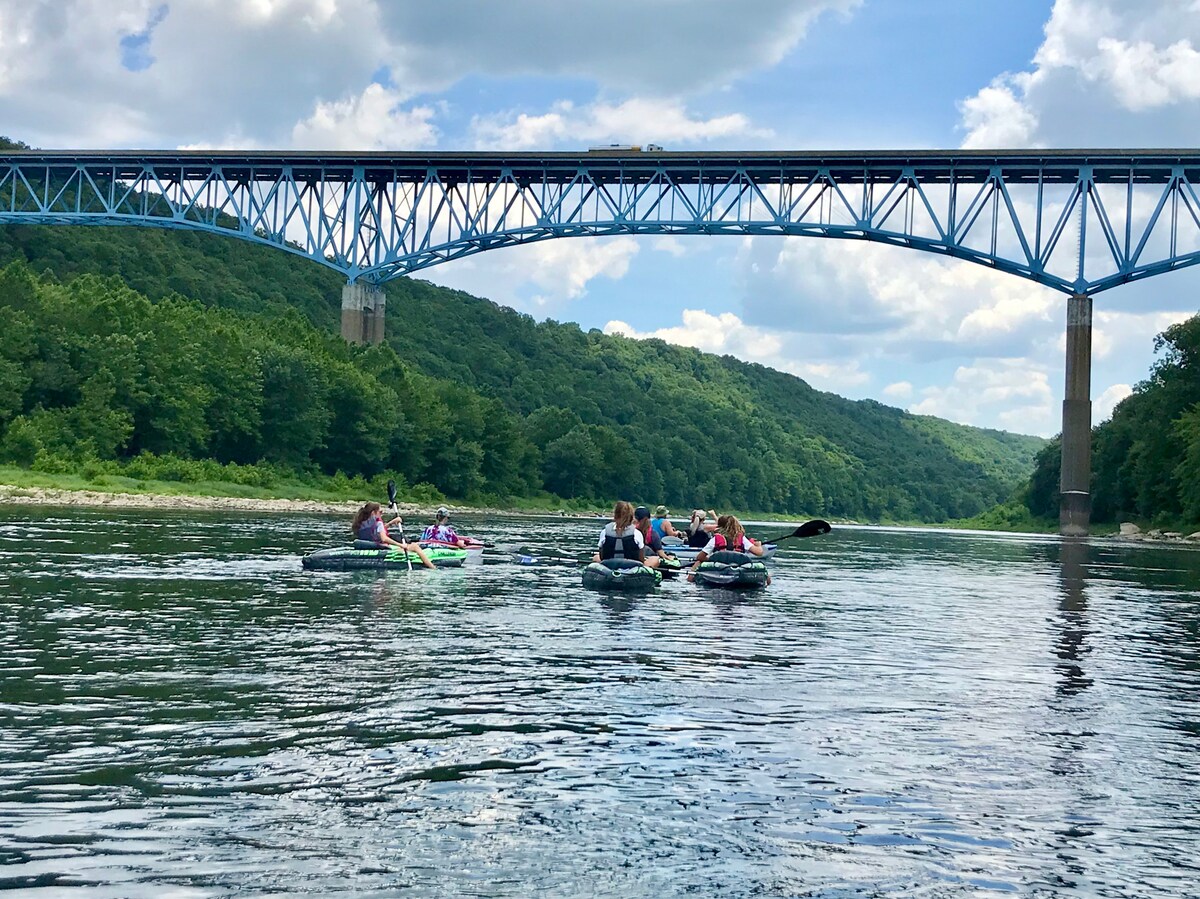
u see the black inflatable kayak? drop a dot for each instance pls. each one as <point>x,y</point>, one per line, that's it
<point>736,571</point>
<point>620,574</point>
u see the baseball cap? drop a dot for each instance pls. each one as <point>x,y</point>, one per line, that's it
<point>443,512</point>
<point>641,512</point>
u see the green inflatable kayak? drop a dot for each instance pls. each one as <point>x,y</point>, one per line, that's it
<point>347,558</point>
<point>621,574</point>
<point>735,571</point>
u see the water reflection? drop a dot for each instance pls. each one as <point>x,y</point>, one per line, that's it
<point>1072,618</point>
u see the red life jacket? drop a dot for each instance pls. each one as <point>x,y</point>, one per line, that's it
<point>721,543</point>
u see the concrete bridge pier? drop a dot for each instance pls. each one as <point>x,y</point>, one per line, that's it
<point>362,312</point>
<point>1075,499</point>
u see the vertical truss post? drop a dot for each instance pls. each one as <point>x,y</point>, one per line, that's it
<point>1075,499</point>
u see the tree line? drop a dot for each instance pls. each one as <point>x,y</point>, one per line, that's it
<point>125,343</point>
<point>1146,457</point>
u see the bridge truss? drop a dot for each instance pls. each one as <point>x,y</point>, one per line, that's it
<point>1077,221</point>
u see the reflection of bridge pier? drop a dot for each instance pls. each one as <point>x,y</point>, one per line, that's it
<point>362,312</point>
<point>1072,625</point>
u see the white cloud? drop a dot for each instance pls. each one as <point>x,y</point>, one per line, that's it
<point>635,121</point>
<point>1122,333</point>
<point>1143,75</point>
<point>898,297</point>
<point>1107,69</point>
<point>725,333</point>
<point>268,71</point>
<point>539,278</point>
<point>901,390</point>
<point>994,117</point>
<point>670,245</point>
<point>371,120</point>
<point>628,46</point>
<point>1103,405</point>
<point>1009,392</point>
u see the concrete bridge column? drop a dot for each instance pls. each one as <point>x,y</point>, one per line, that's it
<point>362,312</point>
<point>1075,499</point>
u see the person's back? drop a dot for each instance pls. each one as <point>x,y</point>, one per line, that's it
<point>442,531</point>
<point>439,533</point>
<point>620,539</point>
<point>625,544</point>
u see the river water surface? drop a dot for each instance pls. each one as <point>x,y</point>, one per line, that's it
<point>186,713</point>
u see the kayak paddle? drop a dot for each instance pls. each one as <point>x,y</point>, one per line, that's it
<point>808,529</point>
<point>391,489</point>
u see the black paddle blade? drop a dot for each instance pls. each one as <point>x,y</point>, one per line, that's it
<point>391,489</point>
<point>808,529</point>
<point>813,528</point>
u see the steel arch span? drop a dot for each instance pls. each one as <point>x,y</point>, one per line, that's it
<point>1078,221</point>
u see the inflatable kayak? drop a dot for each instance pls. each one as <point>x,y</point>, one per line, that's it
<point>620,574</point>
<point>736,571</point>
<point>687,554</point>
<point>473,550</point>
<point>351,558</point>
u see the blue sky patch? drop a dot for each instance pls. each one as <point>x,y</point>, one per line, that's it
<point>135,48</point>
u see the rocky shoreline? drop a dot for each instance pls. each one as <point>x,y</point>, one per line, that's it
<point>1130,531</point>
<point>48,496</point>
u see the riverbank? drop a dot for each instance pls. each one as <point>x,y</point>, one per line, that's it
<point>14,495</point>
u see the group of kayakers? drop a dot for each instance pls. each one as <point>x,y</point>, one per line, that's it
<point>633,533</point>
<point>638,535</point>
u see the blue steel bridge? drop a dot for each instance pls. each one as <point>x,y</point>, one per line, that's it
<point>1078,221</point>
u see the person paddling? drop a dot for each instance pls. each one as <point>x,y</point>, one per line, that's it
<point>729,535</point>
<point>443,531</point>
<point>368,525</point>
<point>651,542</point>
<point>620,539</point>
<point>661,523</point>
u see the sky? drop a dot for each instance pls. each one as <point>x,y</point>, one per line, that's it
<point>932,335</point>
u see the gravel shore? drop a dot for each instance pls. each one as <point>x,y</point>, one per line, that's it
<point>46,496</point>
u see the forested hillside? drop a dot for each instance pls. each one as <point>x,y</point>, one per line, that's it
<point>1146,458</point>
<point>204,347</point>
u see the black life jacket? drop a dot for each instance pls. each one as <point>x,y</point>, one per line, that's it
<point>698,538</point>
<point>620,547</point>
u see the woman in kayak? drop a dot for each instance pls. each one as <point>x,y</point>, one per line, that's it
<point>700,528</point>
<point>368,525</point>
<point>729,535</point>
<point>651,541</point>
<point>662,524</point>
<point>443,531</point>
<point>620,539</point>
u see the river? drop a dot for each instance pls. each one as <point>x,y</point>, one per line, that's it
<point>184,712</point>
